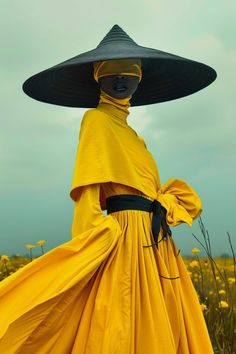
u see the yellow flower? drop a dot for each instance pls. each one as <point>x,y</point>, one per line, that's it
<point>5,258</point>
<point>29,246</point>
<point>203,307</point>
<point>41,242</point>
<point>223,304</point>
<point>195,250</point>
<point>211,292</point>
<point>222,292</point>
<point>193,264</point>
<point>231,280</point>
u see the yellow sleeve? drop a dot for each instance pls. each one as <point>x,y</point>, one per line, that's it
<point>87,209</point>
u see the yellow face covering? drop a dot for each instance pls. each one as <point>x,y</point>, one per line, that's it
<point>130,67</point>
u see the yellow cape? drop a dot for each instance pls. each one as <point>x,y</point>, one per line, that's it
<point>110,150</point>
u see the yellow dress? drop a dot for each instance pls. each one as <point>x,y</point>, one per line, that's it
<point>103,292</point>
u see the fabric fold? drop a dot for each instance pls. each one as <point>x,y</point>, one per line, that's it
<point>181,202</point>
<point>55,273</point>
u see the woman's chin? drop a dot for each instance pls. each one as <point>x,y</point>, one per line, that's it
<point>120,94</point>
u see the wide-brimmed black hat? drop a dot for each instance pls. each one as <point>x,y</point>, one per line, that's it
<point>165,76</point>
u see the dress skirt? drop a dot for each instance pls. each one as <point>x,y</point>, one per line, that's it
<point>104,292</point>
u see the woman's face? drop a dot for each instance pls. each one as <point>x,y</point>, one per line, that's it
<point>119,86</point>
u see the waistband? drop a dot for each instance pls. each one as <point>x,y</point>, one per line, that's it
<point>136,202</point>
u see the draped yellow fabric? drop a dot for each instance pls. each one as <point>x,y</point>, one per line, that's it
<point>103,292</point>
<point>105,134</point>
<point>107,152</point>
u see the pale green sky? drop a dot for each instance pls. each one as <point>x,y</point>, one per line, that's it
<point>192,138</point>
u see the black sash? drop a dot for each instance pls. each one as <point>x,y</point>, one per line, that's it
<point>136,202</point>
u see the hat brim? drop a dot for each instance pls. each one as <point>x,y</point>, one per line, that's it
<point>165,77</point>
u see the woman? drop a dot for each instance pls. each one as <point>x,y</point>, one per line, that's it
<point>120,285</point>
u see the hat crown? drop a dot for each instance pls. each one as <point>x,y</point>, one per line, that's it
<point>117,34</point>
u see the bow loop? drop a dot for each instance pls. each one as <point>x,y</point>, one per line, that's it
<point>181,202</point>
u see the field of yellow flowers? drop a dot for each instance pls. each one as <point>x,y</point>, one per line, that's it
<point>213,278</point>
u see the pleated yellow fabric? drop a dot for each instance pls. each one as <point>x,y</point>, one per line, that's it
<point>103,292</point>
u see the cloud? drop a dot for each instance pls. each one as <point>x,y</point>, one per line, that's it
<point>208,44</point>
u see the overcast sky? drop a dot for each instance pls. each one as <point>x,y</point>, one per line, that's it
<point>192,138</point>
